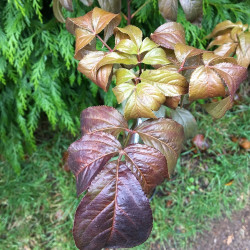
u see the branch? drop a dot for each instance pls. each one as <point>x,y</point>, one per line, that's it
<point>105,44</point>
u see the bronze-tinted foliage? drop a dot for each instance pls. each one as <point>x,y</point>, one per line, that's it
<point>179,69</point>
<point>191,8</point>
<point>232,38</point>
<point>115,212</point>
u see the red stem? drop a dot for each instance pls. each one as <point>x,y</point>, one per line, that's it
<point>129,13</point>
<point>105,44</point>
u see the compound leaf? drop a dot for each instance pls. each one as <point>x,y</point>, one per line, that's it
<point>144,99</point>
<point>127,46</point>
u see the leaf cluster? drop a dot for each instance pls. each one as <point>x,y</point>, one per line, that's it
<point>232,38</point>
<point>151,72</point>
<point>119,176</point>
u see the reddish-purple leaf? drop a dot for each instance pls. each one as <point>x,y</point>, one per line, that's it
<point>114,213</point>
<point>147,164</point>
<point>102,119</point>
<point>169,34</point>
<point>88,155</point>
<point>165,135</point>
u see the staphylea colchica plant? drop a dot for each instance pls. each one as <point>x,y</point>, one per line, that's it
<point>117,174</point>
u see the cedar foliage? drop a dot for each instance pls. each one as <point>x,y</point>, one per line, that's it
<point>38,76</point>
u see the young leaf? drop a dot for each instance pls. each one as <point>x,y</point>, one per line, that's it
<point>123,91</point>
<point>147,164</point>
<point>117,57</point>
<point>169,83</point>
<point>218,109</point>
<point>155,56</point>
<point>134,33</point>
<point>220,40</point>
<point>169,34</point>
<point>114,213</point>
<point>101,76</point>
<point>102,119</point>
<point>187,120</point>
<point>143,99</point>
<point>192,9</point>
<point>168,9</point>
<point>147,45</point>
<point>127,46</point>
<point>165,135</point>
<point>88,155</point>
<point>123,75</point>
<point>226,49</point>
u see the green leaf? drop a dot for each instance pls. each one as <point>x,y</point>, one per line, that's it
<point>143,100</point>
<point>155,56</point>
<point>147,45</point>
<point>127,46</point>
<point>123,75</point>
<point>168,82</point>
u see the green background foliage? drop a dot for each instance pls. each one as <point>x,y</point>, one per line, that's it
<point>39,82</point>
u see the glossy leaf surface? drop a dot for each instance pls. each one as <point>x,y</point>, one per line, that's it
<point>232,74</point>
<point>156,56</point>
<point>114,213</point>
<point>187,120</point>
<point>169,34</point>
<point>172,102</point>
<point>88,155</point>
<point>123,75</point>
<point>142,99</point>
<point>102,119</point>
<point>169,83</point>
<point>113,6</point>
<point>147,164</point>
<point>205,83</point>
<point>165,135</point>
<point>183,51</point>
<point>101,76</point>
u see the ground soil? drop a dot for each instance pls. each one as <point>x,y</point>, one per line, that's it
<point>225,234</point>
